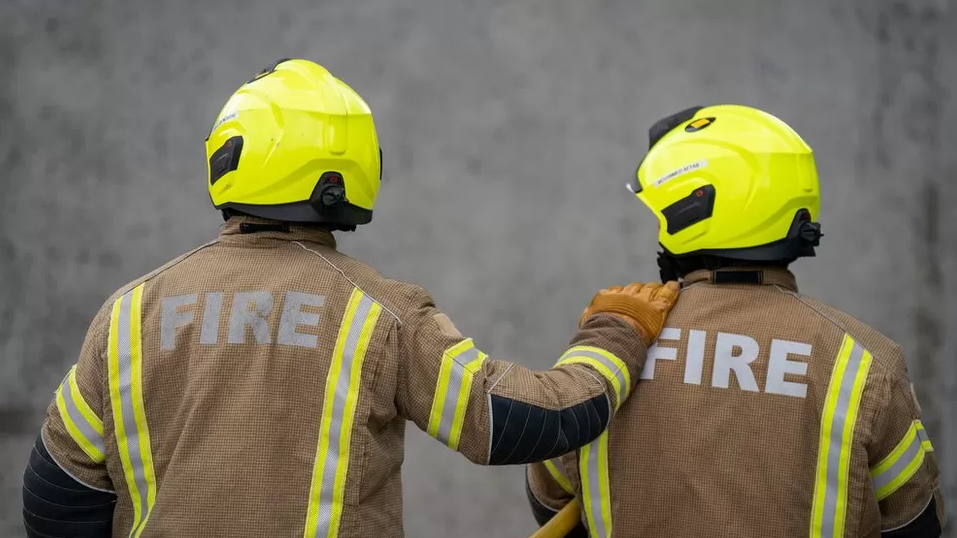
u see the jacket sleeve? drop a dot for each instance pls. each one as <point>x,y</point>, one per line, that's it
<point>550,486</point>
<point>66,488</point>
<point>903,465</point>
<point>496,412</point>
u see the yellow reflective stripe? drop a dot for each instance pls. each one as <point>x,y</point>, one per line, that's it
<point>355,384</point>
<point>113,366</point>
<point>596,486</point>
<point>84,408</point>
<point>609,359</point>
<point>80,421</point>
<point>558,474</point>
<point>611,368</point>
<point>139,408</point>
<point>839,418</point>
<point>902,463</point>
<point>453,386</point>
<point>125,364</point>
<point>442,387</point>
<point>910,437</point>
<point>462,401</point>
<point>340,400</point>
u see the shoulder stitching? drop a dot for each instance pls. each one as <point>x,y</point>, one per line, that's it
<point>812,307</point>
<point>345,276</point>
<point>156,272</point>
<point>837,324</point>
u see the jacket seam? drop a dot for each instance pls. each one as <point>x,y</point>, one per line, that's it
<point>351,281</point>
<point>500,378</point>
<point>68,473</point>
<point>150,276</point>
<point>919,513</point>
<point>798,297</point>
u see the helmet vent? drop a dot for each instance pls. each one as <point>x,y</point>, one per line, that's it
<point>225,159</point>
<point>692,209</point>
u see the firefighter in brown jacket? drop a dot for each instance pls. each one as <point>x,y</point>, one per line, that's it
<point>760,412</point>
<point>259,385</point>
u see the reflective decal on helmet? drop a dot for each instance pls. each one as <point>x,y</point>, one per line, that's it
<point>224,119</point>
<point>697,165</point>
<point>699,124</point>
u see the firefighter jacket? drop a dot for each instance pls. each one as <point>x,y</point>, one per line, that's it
<point>260,385</point>
<point>760,412</point>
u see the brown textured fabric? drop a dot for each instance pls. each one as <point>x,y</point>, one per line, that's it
<point>689,458</point>
<point>234,422</point>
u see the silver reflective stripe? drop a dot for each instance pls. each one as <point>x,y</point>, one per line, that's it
<point>619,373</point>
<point>913,451</point>
<point>924,438</point>
<point>125,354</point>
<point>836,442</point>
<point>77,418</point>
<point>559,467</point>
<point>456,375</point>
<point>593,477</point>
<point>332,462</point>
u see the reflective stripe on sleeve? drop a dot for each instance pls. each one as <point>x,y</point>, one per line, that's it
<point>596,487</point>
<point>557,469</point>
<point>924,439</point>
<point>81,422</point>
<point>900,465</point>
<point>125,351</point>
<point>340,398</point>
<point>609,366</point>
<point>839,417</point>
<point>450,401</point>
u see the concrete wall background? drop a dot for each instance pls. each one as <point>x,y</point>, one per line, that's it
<point>509,128</point>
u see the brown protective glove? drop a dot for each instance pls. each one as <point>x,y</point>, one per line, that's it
<point>643,306</point>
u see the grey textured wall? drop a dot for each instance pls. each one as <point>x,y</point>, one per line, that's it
<point>509,128</point>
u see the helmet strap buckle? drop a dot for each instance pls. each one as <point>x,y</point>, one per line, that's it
<point>667,266</point>
<point>810,233</point>
<point>331,191</point>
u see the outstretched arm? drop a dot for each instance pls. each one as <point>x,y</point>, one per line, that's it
<point>497,412</point>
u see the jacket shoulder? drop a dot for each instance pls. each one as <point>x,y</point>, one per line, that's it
<point>395,295</point>
<point>887,353</point>
<point>102,317</point>
<point>123,290</point>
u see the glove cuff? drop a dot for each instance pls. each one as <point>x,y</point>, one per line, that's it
<point>641,316</point>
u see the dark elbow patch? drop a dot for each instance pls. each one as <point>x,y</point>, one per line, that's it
<point>525,433</point>
<point>927,525</point>
<point>55,504</point>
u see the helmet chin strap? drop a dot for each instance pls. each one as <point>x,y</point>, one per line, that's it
<point>667,267</point>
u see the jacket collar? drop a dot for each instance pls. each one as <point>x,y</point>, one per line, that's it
<point>251,229</point>
<point>744,275</point>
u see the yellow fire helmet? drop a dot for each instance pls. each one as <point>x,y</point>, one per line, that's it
<point>731,182</point>
<point>295,144</point>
